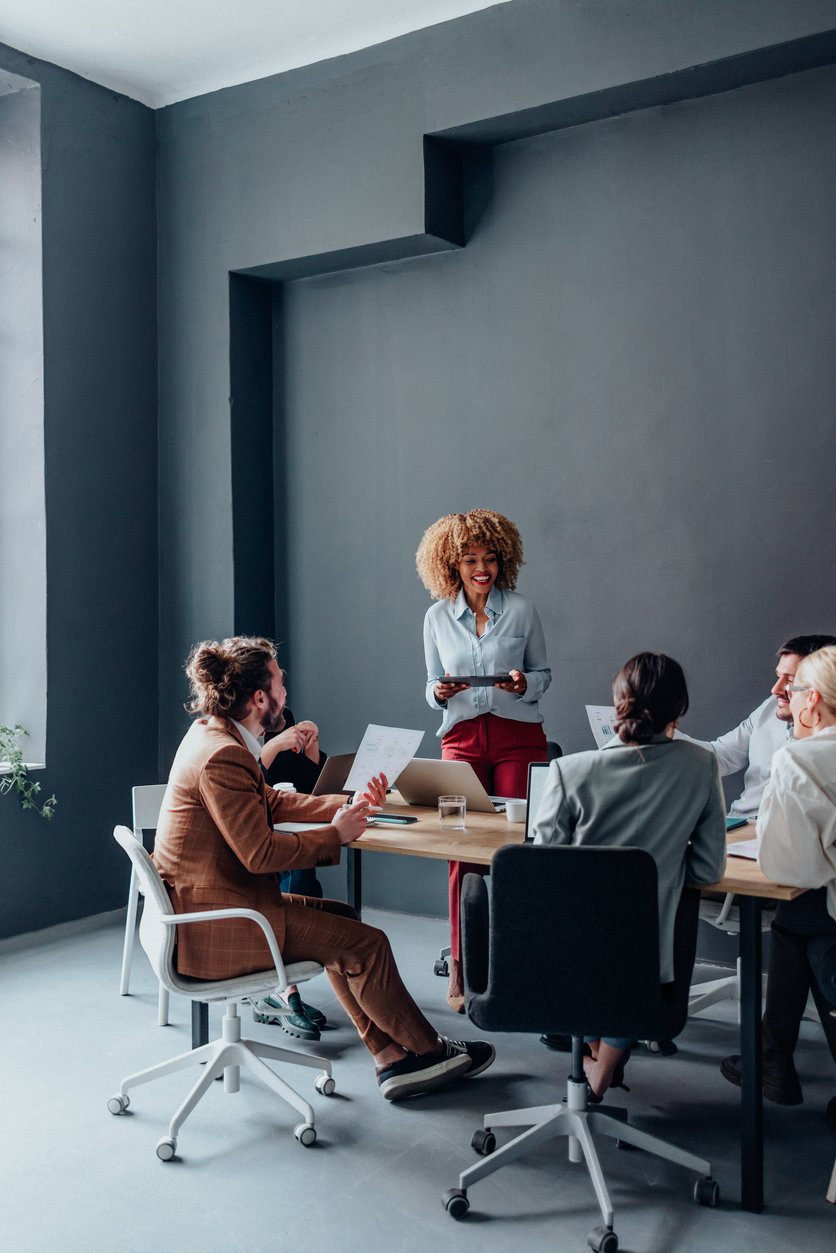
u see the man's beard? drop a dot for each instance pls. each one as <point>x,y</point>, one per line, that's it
<point>273,718</point>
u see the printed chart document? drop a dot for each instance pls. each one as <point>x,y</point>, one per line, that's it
<point>383,750</point>
<point>601,719</point>
<point>743,848</point>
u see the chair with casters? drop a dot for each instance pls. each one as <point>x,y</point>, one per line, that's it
<point>598,975</point>
<point>146,801</point>
<point>441,967</point>
<point>226,1055</point>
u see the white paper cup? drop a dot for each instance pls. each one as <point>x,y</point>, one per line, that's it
<point>515,810</point>
<point>283,787</point>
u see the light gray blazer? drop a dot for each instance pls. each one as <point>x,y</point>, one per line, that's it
<point>664,797</point>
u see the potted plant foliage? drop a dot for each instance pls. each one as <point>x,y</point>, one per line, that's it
<point>14,776</point>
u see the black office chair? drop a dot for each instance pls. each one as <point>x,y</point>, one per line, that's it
<point>597,974</point>
<point>440,965</point>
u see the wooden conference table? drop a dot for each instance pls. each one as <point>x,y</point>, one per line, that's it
<point>485,833</point>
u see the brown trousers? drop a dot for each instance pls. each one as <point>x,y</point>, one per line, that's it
<point>362,970</point>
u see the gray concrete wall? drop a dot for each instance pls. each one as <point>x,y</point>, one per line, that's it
<point>633,359</point>
<point>622,359</point>
<point>629,357</point>
<point>99,335</point>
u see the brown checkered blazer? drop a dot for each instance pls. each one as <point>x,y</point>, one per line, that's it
<point>215,847</point>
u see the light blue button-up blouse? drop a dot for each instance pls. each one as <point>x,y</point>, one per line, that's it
<point>513,640</point>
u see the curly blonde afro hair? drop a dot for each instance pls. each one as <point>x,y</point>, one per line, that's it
<point>444,543</point>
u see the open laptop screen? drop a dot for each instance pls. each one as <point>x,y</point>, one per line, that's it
<point>424,779</point>
<point>333,774</point>
<point>538,773</point>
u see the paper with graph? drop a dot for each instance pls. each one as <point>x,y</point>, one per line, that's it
<point>383,750</point>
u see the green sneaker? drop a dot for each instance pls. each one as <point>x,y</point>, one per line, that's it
<point>315,1016</point>
<point>290,1016</point>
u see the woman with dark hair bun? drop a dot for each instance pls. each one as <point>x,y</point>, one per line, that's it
<point>644,790</point>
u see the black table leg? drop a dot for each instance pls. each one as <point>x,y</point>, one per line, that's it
<point>751,1056</point>
<point>200,1024</point>
<point>354,879</point>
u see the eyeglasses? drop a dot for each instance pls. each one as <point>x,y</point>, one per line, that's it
<point>794,687</point>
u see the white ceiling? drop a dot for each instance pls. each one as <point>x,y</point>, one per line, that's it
<point>159,51</point>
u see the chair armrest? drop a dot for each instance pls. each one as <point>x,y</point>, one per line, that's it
<point>219,915</point>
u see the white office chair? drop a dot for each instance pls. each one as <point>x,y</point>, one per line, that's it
<point>229,1053</point>
<point>146,802</point>
<point>725,916</point>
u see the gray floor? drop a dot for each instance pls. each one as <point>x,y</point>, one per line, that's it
<point>76,1178</point>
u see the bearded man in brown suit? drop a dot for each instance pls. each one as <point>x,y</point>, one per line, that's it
<point>215,847</point>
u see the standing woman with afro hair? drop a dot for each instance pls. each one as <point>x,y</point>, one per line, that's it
<point>479,625</point>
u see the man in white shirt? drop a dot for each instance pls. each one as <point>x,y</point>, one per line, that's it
<point>752,745</point>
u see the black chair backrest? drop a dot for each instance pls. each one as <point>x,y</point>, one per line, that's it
<point>572,944</point>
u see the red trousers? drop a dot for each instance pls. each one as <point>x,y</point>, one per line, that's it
<point>500,751</point>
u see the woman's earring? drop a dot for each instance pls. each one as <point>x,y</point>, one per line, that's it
<point>808,726</point>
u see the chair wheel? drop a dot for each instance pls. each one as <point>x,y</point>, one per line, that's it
<point>456,1202</point>
<point>166,1149</point>
<point>441,968</point>
<point>602,1240</point>
<point>484,1142</point>
<point>305,1133</point>
<point>118,1104</point>
<point>325,1085</point>
<point>706,1192</point>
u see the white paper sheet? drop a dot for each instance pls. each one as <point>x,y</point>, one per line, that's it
<point>383,750</point>
<point>601,719</point>
<point>743,848</point>
<point>293,827</point>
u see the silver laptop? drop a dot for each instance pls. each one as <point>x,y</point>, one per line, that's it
<point>538,773</point>
<point>423,780</point>
<point>333,775</point>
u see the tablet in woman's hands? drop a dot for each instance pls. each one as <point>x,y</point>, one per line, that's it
<point>475,680</point>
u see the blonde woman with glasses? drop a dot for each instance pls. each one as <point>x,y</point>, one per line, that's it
<point>797,832</point>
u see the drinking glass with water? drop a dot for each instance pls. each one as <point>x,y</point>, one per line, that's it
<point>452,811</point>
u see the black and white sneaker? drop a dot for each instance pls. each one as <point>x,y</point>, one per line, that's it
<point>418,1073</point>
<point>479,1053</point>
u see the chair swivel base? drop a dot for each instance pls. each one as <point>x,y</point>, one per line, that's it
<point>225,1057</point>
<point>576,1121</point>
